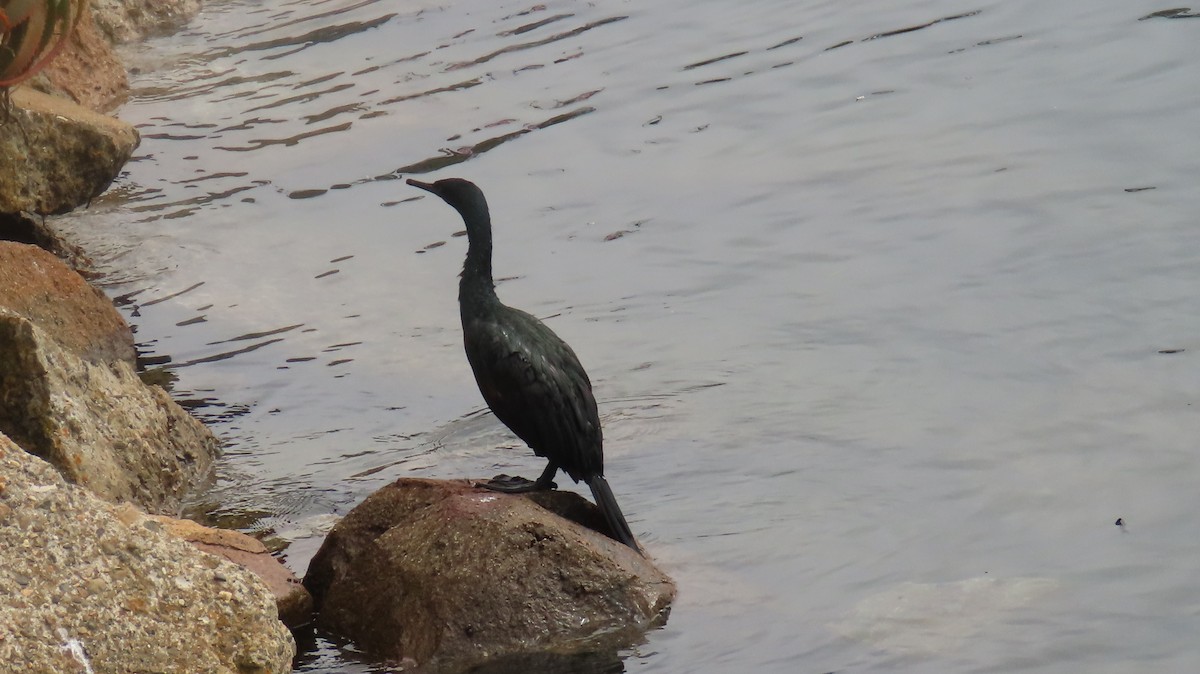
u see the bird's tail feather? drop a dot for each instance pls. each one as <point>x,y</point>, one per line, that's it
<point>612,512</point>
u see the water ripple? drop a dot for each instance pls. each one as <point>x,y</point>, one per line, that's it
<point>536,43</point>
<point>309,39</point>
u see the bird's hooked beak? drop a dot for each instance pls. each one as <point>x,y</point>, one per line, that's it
<point>428,187</point>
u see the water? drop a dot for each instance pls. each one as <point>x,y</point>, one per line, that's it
<point>875,315</point>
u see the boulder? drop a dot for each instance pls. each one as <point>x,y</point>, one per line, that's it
<point>67,153</point>
<point>129,20</point>
<point>35,285</point>
<point>87,70</point>
<point>292,600</point>
<point>450,576</point>
<point>69,392</point>
<point>87,591</point>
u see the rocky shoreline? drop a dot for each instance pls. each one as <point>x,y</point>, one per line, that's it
<point>97,576</point>
<point>94,461</point>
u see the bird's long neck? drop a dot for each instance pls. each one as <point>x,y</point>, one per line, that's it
<point>476,287</point>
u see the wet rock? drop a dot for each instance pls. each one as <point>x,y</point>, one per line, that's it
<point>87,70</point>
<point>86,591</point>
<point>70,395</point>
<point>292,601</point>
<point>67,153</point>
<point>450,576</point>
<point>129,20</point>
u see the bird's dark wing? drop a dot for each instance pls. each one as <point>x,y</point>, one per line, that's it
<point>535,384</point>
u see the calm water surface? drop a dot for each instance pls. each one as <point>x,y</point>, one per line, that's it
<point>875,297</point>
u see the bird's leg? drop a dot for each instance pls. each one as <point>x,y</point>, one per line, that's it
<point>546,481</point>
<point>519,485</point>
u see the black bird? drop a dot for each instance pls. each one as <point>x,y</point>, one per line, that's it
<point>530,378</point>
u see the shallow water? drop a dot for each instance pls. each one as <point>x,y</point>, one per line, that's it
<point>876,299</point>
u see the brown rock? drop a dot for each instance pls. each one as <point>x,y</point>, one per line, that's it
<point>451,576</point>
<point>87,70</point>
<point>87,590</point>
<point>291,598</point>
<point>69,392</point>
<point>36,285</point>
<point>67,153</point>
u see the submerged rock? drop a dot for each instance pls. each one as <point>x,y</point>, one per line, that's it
<point>69,392</point>
<point>67,153</point>
<point>451,576</point>
<point>927,618</point>
<point>84,590</point>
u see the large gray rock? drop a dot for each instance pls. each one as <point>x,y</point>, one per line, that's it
<point>69,392</point>
<point>67,154</point>
<point>85,590</point>
<point>450,576</point>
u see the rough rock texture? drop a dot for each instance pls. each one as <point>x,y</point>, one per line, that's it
<point>129,20</point>
<point>70,395</point>
<point>62,154</point>
<point>87,70</point>
<point>292,601</point>
<point>81,585</point>
<point>451,576</point>
<point>34,284</point>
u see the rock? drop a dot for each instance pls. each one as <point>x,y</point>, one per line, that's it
<point>70,395</point>
<point>86,591</point>
<point>129,20</point>
<point>450,576</point>
<point>36,285</point>
<point>87,70</point>
<point>929,618</point>
<point>67,153</point>
<point>292,601</point>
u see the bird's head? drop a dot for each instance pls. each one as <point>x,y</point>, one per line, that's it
<point>463,195</point>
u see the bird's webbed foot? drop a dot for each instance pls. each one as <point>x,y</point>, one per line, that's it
<point>510,484</point>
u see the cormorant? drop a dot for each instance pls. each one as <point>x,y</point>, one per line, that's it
<point>530,378</point>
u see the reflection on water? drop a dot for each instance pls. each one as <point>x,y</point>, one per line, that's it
<point>876,296</point>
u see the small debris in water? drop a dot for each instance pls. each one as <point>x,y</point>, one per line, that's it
<point>402,201</point>
<point>1120,522</point>
<point>305,194</point>
<point>1177,13</point>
